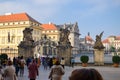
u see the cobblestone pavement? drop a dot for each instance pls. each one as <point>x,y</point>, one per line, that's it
<point>108,72</point>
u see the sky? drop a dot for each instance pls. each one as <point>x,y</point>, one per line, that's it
<point>93,16</point>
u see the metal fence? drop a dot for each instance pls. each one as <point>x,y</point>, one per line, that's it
<point>9,51</point>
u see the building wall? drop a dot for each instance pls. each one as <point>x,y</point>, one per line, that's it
<point>51,34</point>
<point>112,41</point>
<point>74,38</point>
<point>12,34</point>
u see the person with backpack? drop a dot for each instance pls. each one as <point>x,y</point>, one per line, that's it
<point>56,72</point>
<point>22,64</point>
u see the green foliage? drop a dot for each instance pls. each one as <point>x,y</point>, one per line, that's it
<point>3,56</point>
<point>116,59</point>
<point>84,58</point>
<point>119,49</point>
<point>112,49</point>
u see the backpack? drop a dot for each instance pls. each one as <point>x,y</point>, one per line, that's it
<point>22,64</point>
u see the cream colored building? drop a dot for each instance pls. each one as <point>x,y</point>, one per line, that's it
<point>51,31</point>
<point>112,41</point>
<point>11,30</point>
<point>52,34</point>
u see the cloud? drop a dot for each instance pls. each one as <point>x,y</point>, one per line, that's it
<point>52,2</point>
<point>12,7</point>
<point>44,9</point>
<point>36,11</point>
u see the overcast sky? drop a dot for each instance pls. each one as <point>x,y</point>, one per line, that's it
<point>93,16</point>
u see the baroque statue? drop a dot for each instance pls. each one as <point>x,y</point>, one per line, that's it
<point>64,40</point>
<point>26,47</point>
<point>27,34</point>
<point>64,48</point>
<point>98,42</point>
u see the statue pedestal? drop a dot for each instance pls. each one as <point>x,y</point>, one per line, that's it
<point>65,53</point>
<point>99,57</point>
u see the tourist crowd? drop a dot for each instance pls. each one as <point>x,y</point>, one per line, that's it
<point>11,69</point>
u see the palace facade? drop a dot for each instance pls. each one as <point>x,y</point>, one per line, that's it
<point>11,30</point>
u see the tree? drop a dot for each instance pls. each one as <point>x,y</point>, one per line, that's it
<point>4,56</point>
<point>112,49</point>
<point>118,49</point>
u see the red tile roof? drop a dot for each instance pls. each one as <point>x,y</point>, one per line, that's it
<point>117,37</point>
<point>105,41</point>
<point>16,17</point>
<point>88,38</point>
<point>49,26</point>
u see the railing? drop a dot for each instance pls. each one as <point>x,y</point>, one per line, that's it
<point>11,52</point>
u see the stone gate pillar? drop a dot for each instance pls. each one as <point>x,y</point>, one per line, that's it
<point>26,47</point>
<point>99,50</point>
<point>64,48</point>
<point>98,57</point>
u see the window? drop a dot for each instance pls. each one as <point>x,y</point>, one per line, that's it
<point>56,31</point>
<point>19,31</point>
<point>3,31</point>
<point>48,31</point>
<point>13,30</point>
<point>43,31</point>
<point>37,32</point>
<point>21,22</point>
<point>6,23</point>
<point>49,37</point>
<point>1,24</point>
<point>3,40</point>
<point>16,22</point>
<point>53,37</point>
<point>11,23</point>
<point>13,38</point>
<point>18,39</point>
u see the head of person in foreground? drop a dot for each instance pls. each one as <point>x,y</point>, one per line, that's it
<point>85,74</point>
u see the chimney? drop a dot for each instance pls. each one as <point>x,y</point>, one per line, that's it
<point>8,13</point>
<point>50,23</point>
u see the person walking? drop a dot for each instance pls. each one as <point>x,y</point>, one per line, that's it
<point>50,63</point>
<point>17,65</point>
<point>9,72</point>
<point>1,72</point>
<point>33,70</point>
<point>62,62</point>
<point>56,72</point>
<point>29,59</point>
<point>38,61</point>
<point>72,61</point>
<point>45,63</point>
<point>22,65</point>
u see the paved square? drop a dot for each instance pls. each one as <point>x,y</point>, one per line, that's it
<point>108,72</point>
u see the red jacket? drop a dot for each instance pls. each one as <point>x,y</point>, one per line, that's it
<point>33,70</point>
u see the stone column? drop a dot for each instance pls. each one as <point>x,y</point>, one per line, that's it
<point>99,57</point>
<point>41,50</point>
<point>68,56</point>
